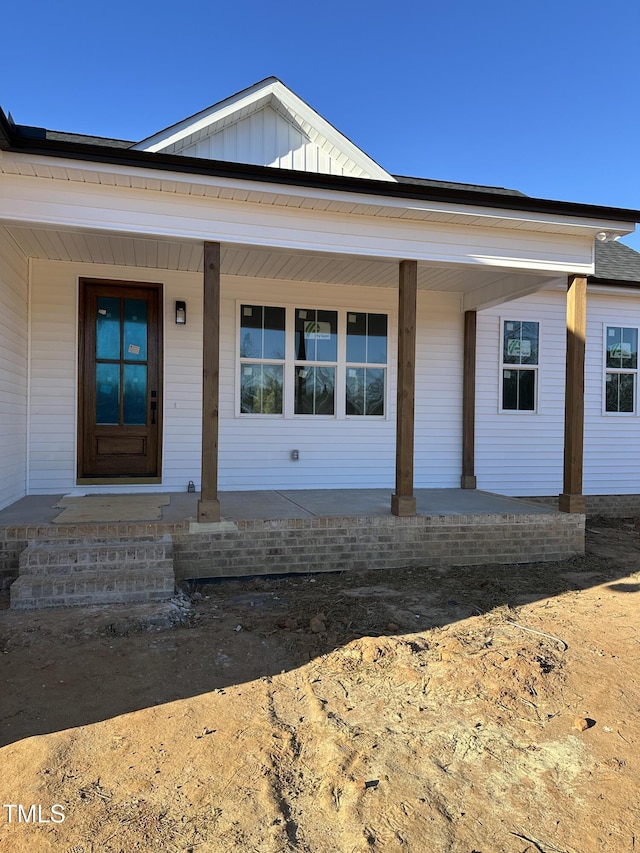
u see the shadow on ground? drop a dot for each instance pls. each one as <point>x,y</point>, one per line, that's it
<point>74,667</point>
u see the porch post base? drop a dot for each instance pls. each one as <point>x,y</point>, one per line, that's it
<point>572,503</point>
<point>208,511</point>
<point>403,505</point>
<point>468,482</point>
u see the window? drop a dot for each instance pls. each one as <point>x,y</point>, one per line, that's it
<point>621,367</point>
<point>366,346</point>
<point>519,365</point>
<point>262,351</point>
<point>312,361</point>
<point>316,343</point>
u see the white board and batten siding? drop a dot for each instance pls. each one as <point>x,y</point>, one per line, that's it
<point>341,452</point>
<point>266,138</point>
<point>612,441</point>
<point>14,295</point>
<point>521,453</point>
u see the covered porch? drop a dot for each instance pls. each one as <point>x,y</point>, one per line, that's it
<point>109,556</point>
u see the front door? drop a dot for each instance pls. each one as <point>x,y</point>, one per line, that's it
<point>120,382</point>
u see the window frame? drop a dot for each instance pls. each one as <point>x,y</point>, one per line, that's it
<point>373,365</point>
<point>290,361</point>
<point>240,360</point>
<point>519,367</point>
<point>298,363</point>
<point>606,325</point>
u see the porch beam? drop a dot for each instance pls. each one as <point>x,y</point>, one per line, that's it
<point>468,478</point>
<point>572,499</point>
<point>209,505</point>
<point>403,501</point>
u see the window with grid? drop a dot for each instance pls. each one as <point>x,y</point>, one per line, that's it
<point>316,358</point>
<point>262,356</point>
<point>326,347</point>
<point>520,354</point>
<point>366,363</point>
<point>621,368</point>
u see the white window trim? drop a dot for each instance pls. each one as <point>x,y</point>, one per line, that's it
<point>240,361</point>
<point>512,318</point>
<point>290,362</point>
<point>384,366</point>
<point>616,324</point>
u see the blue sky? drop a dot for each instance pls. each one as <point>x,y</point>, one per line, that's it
<point>537,95</point>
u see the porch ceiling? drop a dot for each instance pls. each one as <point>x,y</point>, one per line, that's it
<point>252,261</point>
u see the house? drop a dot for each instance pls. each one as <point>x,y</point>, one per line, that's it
<point>247,301</point>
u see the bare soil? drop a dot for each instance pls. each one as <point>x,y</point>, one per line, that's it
<point>379,711</point>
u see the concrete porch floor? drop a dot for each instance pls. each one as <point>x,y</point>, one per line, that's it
<point>294,504</point>
<point>268,532</point>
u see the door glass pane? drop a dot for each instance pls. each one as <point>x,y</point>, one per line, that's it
<point>135,330</point>
<point>135,394</point>
<point>108,327</point>
<point>107,393</point>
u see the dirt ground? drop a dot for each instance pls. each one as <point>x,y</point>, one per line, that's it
<point>404,711</point>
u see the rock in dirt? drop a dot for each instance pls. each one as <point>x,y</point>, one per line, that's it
<point>581,724</point>
<point>317,623</point>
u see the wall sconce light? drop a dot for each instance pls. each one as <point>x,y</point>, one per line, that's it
<point>181,313</point>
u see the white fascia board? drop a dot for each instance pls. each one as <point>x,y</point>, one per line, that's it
<point>203,120</point>
<point>72,205</point>
<point>306,114</point>
<point>13,163</point>
<point>253,99</point>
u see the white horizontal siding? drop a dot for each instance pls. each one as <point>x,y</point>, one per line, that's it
<point>438,409</point>
<point>254,452</point>
<point>521,453</point>
<point>53,399</point>
<point>612,441</point>
<point>14,277</point>
<point>334,452</point>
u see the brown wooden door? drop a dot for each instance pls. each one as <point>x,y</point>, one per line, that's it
<point>120,381</point>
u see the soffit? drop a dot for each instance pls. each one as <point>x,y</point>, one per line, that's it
<point>247,261</point>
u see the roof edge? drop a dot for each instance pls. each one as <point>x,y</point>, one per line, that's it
<point>6,131</point>
<point>72,150</point>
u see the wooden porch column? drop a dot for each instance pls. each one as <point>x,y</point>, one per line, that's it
<point>468,479</point>
<point>403,501</point>
<point>209,505</point>
<point>572,499</point>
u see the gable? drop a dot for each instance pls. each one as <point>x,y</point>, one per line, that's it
<point>266,125</point>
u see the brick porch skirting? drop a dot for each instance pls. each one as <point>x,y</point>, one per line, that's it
<point>236,549</point>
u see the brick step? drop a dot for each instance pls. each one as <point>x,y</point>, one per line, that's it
<point>32,592</point>
<point>88,571</point>
<point>67,557</point>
